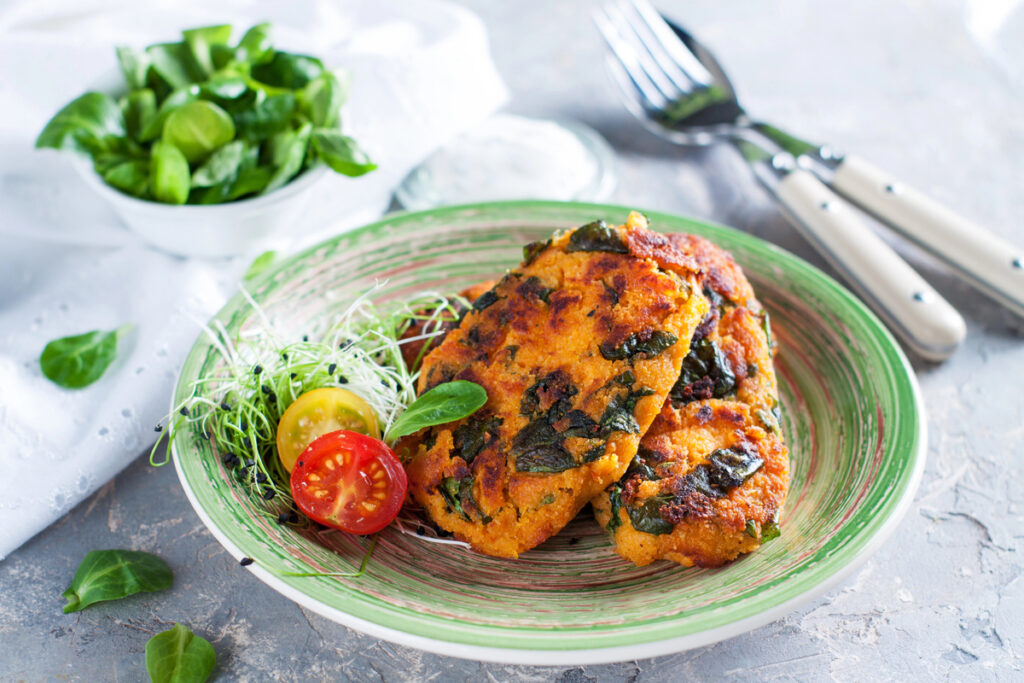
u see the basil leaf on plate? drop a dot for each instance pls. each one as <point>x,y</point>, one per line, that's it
<point>84,124</point>
<point>179,656</point>
<point>341,153</point>
<point>79,360</point>
<point>260,264</point>
<point>113,574</point>
<point>444,403</point>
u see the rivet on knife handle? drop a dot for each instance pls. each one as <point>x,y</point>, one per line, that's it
<point>993,265</point>
<point>907,303</point>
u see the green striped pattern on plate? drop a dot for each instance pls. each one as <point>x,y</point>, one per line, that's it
<point>851,415</point>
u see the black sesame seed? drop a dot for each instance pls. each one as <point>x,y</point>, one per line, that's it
<point>305,337</point>
<point>299,464</point>
<point>342,379</point>
<point>244,426</point>
<point>265,389</point>
<point>249,462</point>
<point>184,411</point>
<point>282,518</point>
<point>421,531</point>
<point>294,375</point>
<point>228,457</point>
<point>257,370</point>
<point>158,428</point>
<point>246,561</point>
<point>284,356</point>
<point>331,368</point>
<point>272,397</point>
<point>224,405</point>
<point>293,517</point>
<point>269,494</point>
<point>260,478</point>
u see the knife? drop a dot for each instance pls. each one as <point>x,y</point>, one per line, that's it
<point>993,265</point>
<point>901,297</point>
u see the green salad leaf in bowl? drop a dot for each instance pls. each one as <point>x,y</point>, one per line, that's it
<point>208,121</point>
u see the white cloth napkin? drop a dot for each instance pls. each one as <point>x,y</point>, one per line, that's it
<point>421,74</point>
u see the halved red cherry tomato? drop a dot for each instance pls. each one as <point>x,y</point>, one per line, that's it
<point>350,482</point>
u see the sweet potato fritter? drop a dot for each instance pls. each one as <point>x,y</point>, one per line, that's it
<point>712,473</point>
<point>577,348</point>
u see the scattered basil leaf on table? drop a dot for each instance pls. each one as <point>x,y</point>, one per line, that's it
<point>79,360</point>
<point>444,403</point>
<point>247,118</point>
<point>113,574</point>
<point>179,656</point>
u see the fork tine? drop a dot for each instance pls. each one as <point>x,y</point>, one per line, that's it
<point>627,58</point>
<point>644,58</point>
<point>673,47</point>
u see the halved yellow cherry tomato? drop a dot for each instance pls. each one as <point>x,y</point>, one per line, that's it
<point>320,412</point>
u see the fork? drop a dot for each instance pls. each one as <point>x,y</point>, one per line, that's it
<point>655,70</point>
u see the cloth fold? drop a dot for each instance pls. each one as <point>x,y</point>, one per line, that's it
<point>421,74</point>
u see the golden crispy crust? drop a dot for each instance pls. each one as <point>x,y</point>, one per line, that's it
<point>577,349</point>
<point>690,488</point>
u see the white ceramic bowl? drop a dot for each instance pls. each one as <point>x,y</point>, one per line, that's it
<point>216,230</point>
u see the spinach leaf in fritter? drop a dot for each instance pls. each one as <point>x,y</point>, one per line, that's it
<point>647,344</point>
<point>596,236</point>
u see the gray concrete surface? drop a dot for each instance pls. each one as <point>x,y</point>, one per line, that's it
<point>902,83</point>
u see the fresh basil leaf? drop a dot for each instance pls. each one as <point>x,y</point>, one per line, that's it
<point>134,65</point>
<point>444,403</point>
<point>288,70</point>
<point>131,177</point>
<point>260,264</point>
<point>250,181</point>
<point>79,360</point>
<point>322,99</point>
<point>221,166</point>
<point>174,66</point>
<point>198,128</point>
<point>84,124</point>
<point>114,574</point>
<point>139,108</point>
<point>266,118</point>
<point>255,45</point>
<point>169,174</point>
<point>171,103</point>
<point>200,40</point>
<point>179,656</point>
<point>289,161</point>
<point>341,153</point>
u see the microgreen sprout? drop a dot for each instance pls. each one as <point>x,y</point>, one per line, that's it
<point>238,404</point>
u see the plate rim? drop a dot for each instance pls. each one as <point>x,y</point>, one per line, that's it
<point>581,655</point>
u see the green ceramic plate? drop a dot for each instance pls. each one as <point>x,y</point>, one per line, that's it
<point>852,417</point>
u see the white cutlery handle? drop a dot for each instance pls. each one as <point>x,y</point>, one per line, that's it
<point>908,304</point>
<point>993,265</point>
